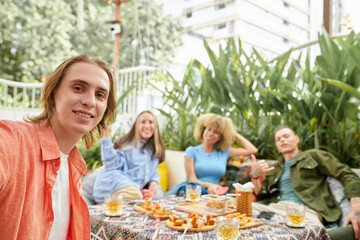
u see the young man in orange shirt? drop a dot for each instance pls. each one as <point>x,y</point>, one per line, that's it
<point>40,166</point>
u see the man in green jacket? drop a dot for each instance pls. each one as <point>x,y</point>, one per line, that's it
<point>300,177</point>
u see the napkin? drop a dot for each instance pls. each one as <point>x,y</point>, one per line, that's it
<point>247,187</point>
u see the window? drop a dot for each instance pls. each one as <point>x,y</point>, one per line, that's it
<point>221,26</point>
<point>221,6</point>
<point>189,15</point>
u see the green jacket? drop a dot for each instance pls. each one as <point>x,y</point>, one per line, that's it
<point>308,176</point>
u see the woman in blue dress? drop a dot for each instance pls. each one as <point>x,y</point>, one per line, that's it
<point>205,164</point>
<point>130,164</point>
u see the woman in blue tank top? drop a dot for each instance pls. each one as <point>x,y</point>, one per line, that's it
<point>205,164</point>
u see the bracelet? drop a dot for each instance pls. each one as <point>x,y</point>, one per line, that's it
<point>253,178</point>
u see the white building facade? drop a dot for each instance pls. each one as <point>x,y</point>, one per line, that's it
<point>272,27</point>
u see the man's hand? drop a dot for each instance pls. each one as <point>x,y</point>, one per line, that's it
<point>354,216</point>
<point>259,168</point>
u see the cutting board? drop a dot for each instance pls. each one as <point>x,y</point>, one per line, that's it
<point>197,207</point>
<point>170,224</point>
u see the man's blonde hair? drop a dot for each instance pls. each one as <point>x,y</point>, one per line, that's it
<point>224,125</point>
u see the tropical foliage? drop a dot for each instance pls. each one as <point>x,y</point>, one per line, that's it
<point>260,95</point>
<point>37,35</point>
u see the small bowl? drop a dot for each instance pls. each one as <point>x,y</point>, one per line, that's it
<point>214,204</point>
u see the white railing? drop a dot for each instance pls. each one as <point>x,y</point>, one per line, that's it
<point>138,77</point>
<point>19,99</point>
<point>19,95</point>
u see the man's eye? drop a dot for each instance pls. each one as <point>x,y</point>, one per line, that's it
<point>101,95</point>
<point>77,88</point>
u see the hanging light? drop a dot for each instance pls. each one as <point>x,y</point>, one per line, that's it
<point>80,14</point>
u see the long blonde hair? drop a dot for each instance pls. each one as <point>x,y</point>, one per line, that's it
<point>224,125</point>
<point>155,144</point>
<point>52,84</point>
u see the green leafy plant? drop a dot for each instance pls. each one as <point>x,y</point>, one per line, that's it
<point>92,157</point>
<point>182,97</point>
<point>260,95</point>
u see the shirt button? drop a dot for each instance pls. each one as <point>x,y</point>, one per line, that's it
<point>49,185</point>
<point>276,179</point>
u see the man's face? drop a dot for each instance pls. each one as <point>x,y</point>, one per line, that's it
<point>286,141</point>
<point>81,99</point>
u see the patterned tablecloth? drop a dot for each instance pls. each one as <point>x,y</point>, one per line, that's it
<point>132,225</point>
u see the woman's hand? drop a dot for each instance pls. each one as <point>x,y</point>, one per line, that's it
<point>153,187</point>
<point>211,188</point>
<point>247,149</point>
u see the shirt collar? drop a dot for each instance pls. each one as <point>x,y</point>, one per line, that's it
<point>48,144</point>
<point>50,149</point>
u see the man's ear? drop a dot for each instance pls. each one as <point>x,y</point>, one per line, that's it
<point>297,139</point>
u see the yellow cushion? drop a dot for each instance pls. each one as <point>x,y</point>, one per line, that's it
<point>162,170</point>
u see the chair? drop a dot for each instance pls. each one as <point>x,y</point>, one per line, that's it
<point>88,182</point>
<point>342,233</point>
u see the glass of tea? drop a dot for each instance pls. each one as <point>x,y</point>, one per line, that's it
<point>113,205</point>
<point>295,215</point>
<point>227,228</point>
<point>193,193</point>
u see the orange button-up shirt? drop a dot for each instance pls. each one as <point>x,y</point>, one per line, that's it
<point>29,160</point>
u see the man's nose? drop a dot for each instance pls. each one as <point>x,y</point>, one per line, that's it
<point>89,100</point>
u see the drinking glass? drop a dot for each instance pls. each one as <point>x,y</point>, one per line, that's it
<point>295,215</point>
<point>227,228</point>
<point>113,205</point>
<point>193,193</point>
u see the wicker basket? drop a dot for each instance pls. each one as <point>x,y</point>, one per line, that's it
<point>243,202</point>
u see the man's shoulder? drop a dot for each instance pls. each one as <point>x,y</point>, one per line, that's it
<point>312,152</point>
<point>316,155</point>
<point>16,126</point>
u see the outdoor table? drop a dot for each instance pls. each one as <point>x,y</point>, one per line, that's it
<point>133,225</point>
